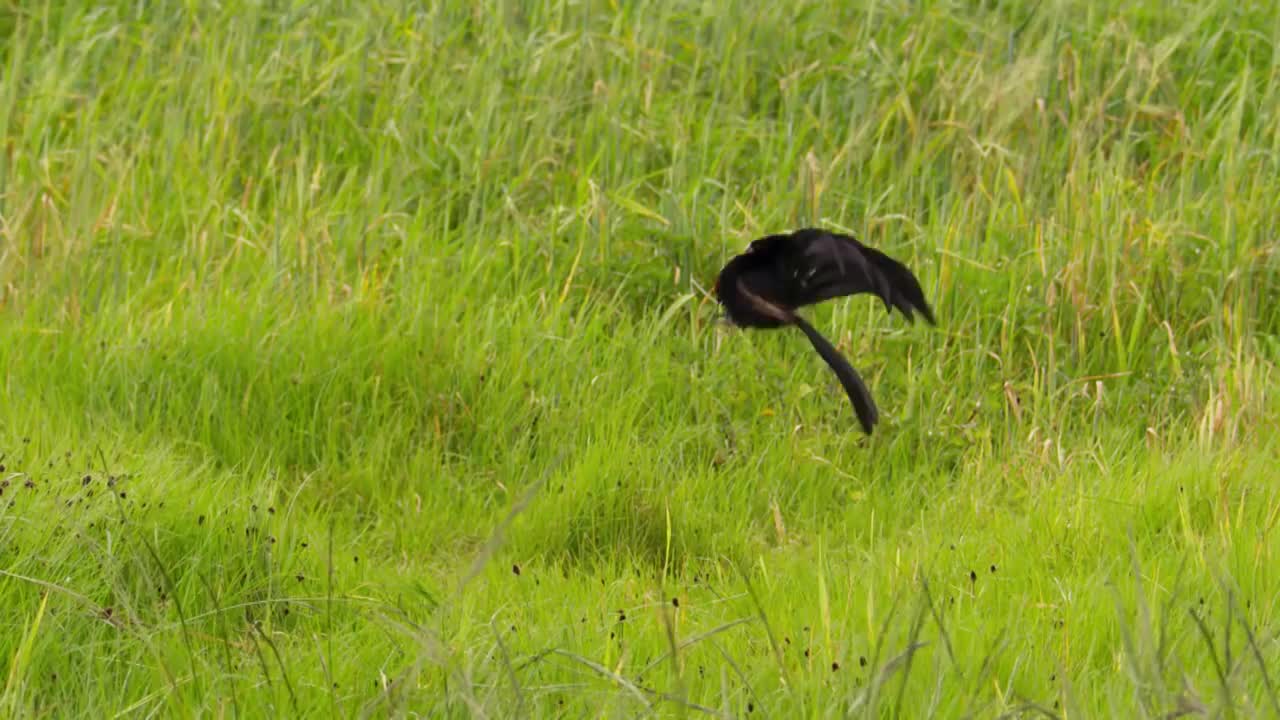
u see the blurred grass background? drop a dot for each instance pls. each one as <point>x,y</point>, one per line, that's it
<point>357,360</point>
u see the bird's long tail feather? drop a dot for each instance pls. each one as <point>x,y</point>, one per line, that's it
<point>859,395</point>
<point>857,390</point>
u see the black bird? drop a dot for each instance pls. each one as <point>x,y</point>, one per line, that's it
<point>762,288</point>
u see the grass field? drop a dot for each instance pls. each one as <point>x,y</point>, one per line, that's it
<point>357,361</point>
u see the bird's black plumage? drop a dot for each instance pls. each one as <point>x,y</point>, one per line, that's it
<point>763,287</point>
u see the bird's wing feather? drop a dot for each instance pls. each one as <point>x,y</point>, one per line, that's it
<point>829,266</point>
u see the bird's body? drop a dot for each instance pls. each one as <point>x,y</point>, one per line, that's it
<point>763,287</point>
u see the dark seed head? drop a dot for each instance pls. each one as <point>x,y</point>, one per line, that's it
<point>515,568</point>
<point>675,602</point>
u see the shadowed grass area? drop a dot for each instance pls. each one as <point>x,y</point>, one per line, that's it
<point>359,361</point>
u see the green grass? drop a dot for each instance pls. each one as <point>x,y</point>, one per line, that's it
<point>357,360</point>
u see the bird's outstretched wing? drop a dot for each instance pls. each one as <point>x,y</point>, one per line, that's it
<point>824,265</point>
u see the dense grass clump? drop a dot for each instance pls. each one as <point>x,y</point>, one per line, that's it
<point>357,360</point>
